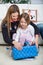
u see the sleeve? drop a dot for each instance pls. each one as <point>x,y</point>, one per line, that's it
<point>16,38</point>
<point>36,28</point>
<point>5,35</point>
<point>32,31</point>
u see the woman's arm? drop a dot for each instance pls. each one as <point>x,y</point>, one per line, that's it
<point>6,38</point>
<point>36,40</point>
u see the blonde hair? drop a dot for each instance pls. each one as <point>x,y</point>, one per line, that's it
<point>12,9</point>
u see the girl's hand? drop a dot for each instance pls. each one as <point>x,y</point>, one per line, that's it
<point>17,45</point>
<point>32,42</point>
<point>22,44</point>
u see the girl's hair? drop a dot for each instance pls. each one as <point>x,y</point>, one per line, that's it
<point>12,9</point>
<point>26,17</point>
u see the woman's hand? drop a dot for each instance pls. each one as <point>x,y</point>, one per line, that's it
<point>36,40</point>
<point>17,45</point>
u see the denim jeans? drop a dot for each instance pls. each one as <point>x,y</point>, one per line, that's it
<point>40,26</point>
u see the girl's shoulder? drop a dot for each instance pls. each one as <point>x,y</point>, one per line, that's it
<point>19,30</point>
<point>30,27</point>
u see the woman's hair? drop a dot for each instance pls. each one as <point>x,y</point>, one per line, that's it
<point>26,17</point>
<point>12,9</point>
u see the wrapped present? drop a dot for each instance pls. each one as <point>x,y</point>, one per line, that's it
<point>25,52</point>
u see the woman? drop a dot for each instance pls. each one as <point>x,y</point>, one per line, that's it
<point>10,24</point>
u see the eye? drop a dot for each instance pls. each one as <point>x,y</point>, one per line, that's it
<point>13,16</point>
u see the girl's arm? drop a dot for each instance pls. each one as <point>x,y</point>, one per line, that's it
<point>36,28</point>
<point>16,42</point>
<point>32,31</point>
<point>36,32</point>
<point>16,36</point>
<point>35,38</point>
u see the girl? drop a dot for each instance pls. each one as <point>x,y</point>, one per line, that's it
<point>25,32</point>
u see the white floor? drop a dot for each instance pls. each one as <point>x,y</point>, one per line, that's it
<point>6,59</point>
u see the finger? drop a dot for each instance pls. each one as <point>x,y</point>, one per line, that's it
<point>19,48</point>
<point>22,44</point>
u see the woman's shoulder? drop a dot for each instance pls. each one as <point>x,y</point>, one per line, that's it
<point>33,24</point>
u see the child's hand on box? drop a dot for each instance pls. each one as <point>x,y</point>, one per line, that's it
<point>17,45</point>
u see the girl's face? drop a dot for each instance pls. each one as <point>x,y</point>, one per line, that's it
<point>14,16</point>
<point>23,23</point>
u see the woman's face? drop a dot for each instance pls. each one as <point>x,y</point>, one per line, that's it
<point>23,23</point>
<point>14,16</point>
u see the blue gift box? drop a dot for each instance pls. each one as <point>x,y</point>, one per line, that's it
<point>25,52</point>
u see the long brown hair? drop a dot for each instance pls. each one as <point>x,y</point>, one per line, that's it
<point>12,9</point>
<point>26,17</point>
